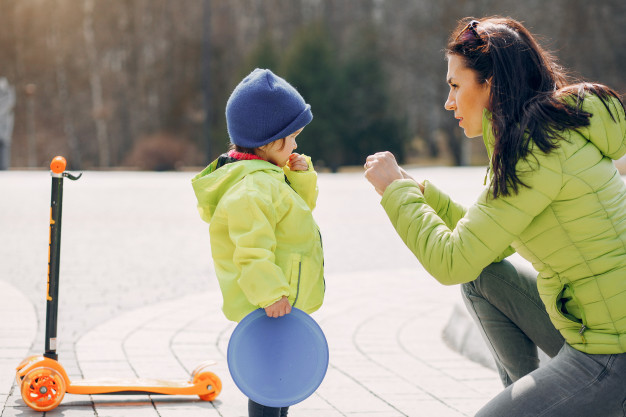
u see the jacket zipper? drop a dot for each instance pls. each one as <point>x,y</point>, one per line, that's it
<point>322,245</point>
<point>298,287</point>
<point>582,330</point>
<point>583,326</point>
<point>289,183</point>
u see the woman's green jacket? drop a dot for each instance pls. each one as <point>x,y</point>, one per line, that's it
<point>569,221</point>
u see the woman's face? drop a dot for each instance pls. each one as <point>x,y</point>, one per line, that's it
<point>467,98</point>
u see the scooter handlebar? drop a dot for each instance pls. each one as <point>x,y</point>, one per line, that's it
<point>58,165</point>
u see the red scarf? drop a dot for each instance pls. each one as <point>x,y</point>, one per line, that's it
<point>244,156</point>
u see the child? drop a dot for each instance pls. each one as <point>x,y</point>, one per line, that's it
<point>257,199</point>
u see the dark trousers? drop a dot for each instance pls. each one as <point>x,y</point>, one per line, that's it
<point>258,410</point>
<point>505,304</point>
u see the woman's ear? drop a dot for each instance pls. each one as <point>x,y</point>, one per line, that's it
<point>487,85</point>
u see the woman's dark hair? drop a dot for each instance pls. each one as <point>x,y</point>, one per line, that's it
<point>528,88</point>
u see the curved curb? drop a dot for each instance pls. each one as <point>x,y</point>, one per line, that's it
<point>18,329</point>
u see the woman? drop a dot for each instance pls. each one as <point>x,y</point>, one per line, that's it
<point>555,197</point>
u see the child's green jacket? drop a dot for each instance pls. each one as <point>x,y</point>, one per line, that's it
<point>570,222</point>
<point>264,240</point>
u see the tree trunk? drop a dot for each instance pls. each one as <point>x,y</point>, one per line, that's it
<point>97,102</point>
<point>64,96</point>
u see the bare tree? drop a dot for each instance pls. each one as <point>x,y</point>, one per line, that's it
<point>97,102</point>
<point>63,92</point>
<point>114,72</point>
<point>7,102</point>
<point>31,131</point>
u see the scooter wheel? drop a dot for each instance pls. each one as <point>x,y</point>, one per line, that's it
<point>212,383</point>
<point>43,389</point>
<point>18,370</point>
<point>26,362</point>
<point>200,368</point>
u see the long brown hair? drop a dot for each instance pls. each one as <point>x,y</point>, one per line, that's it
<point>527,91</point>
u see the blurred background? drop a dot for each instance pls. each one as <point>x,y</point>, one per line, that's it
<point>142,84</point>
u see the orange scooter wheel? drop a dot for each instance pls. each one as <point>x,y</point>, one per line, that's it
<point>211,381</point>
<point>43,389</point>
<point>201,367</point>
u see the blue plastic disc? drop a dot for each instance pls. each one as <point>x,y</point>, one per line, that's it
<point>278,362</point>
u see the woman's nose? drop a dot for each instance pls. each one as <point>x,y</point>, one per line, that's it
<point>449,104</point>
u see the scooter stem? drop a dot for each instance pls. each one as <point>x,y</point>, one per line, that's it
<point>57,167</point>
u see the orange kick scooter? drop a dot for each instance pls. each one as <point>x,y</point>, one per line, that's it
<point>43,381</point>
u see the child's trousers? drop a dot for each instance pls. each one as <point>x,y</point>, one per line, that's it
<point>505,304</point>
<point>258,410</point>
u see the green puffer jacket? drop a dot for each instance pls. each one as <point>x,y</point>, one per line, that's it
<point>570,223</point>
<point>264,240</point>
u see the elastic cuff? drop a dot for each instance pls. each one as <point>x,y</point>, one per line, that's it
<point>398,184</point>
<point>265,305</point>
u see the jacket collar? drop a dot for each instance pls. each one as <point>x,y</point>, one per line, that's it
<point>488,137</point>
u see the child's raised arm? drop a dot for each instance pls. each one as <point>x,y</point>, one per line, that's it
<point>297,162</point>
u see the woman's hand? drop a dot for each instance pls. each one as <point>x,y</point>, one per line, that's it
<point>297,162</point>
<point>406,176</point>
<point>279,308</point>
<point>381,169</point>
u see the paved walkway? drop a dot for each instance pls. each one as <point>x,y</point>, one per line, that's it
<point>139,299</point>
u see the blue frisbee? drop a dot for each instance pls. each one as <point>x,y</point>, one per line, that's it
<point>278,362</point>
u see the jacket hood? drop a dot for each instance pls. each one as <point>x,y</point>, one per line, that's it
<point>212,183</point>
<point>607,131</point>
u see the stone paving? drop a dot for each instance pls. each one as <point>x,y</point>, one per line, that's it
<point>138,298</point>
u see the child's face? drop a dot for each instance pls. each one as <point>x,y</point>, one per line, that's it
<point>278,156</point>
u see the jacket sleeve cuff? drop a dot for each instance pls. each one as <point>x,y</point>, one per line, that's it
<point>304,183</point>
<point>450,211</point>
<point>267,304</point>
<point>395,186</point>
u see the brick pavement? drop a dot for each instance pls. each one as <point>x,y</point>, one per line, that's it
<point>138,298</point>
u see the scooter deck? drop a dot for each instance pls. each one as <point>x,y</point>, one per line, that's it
<point>135,386</point>
<point>196,386</point>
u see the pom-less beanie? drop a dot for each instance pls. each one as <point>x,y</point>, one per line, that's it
<point>263,108</point>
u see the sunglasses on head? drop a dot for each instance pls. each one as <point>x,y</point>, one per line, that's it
<point>469,29</point>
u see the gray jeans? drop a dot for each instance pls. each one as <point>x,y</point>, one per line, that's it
<point>505,304</point>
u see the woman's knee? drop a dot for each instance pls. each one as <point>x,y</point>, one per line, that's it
<point>487,279</point>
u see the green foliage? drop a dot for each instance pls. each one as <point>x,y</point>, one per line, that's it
<point>264,55</point>
<point>310,65</point>
<point>349,97</point>
<point>370,125</point>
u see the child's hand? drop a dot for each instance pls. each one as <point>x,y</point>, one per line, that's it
<point>279,308</point>
<point>297,162</point>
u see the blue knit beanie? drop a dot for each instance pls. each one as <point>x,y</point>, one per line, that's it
<point>263,108</point>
